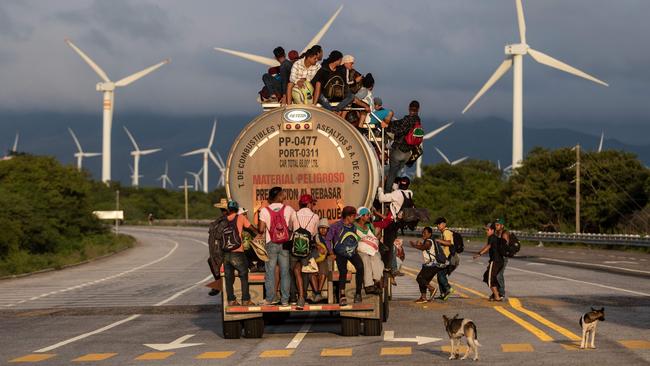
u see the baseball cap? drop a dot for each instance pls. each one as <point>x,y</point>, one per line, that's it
<point>233,206</point>
<point>440,220</point>
<point>362,211</point>
<point>500,220</point>
<point>347,59</point>
<point>377,101</point>
<point>306,199</point>
<point>323,223</point>
<point>293,55</point>
<point>491,226</point>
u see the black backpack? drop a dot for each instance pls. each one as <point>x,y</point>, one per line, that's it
<point>302,241</point>
<point>227,235</point>
<point>513,246</point>
<point>458,246</point>
<point>334,88</point>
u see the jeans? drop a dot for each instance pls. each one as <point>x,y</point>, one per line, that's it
<point>272,84</point>
<point>396,162</point>
<point>236,261</point>
<point>501,281</point>
<point>342,264</point>
<point>426,275</point>
<point>339,107</point>
<point>277,256</point>
<point>443,283</point>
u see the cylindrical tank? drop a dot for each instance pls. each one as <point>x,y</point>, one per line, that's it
<point>303,149</point>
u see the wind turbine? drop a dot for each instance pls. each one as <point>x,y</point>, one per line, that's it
<point>197,178</point>
<point>207,153</point>
<point>222,170</point>
<point>13,150</point>
<point>430,135</point>
<point>165,177</point>
<point>137,153</point>
<point>133,175</point>
<point>273,62</point>
<point>455,162</point>
<point>107,87</point>
<point>80,154</point>
<point>602,139</point>
<point>514,55</point>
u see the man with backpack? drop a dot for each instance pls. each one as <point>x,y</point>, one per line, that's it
<point>496,247</point>
<point>302,245</point>
<point>407,134</point>
<point>342,242</point>
<point>435,262</point>
<point>512,247</point>
<point>399,200</point>
<point>229,232</point>
<point>276,221</point>
<point>450,251</point>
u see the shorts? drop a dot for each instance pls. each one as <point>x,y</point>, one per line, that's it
<point>490,275</point>
<point>293,260</point>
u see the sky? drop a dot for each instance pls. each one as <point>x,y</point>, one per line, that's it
<point>437,51</point>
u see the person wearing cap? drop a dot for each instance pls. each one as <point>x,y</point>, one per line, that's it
<point>320,254</point>
<point>345,224</point>
<point>496,249</point>
<point>236,259</point>
<point>396,199</point>
<point>293,56</point>
<point>215,258</point>
<point>435,262</point>
<point>368,250</point>
<point>380,117</point>
<point>447,242</point>
<point>401,151</point>
<point>501,232</point>
<point>307,220</point>
<point>324,76</point>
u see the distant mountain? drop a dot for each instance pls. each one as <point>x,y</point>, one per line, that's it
<point>46,133</point>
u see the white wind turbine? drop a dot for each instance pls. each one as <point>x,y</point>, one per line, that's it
<point>107,87</point>
<point>428,136</point>
<point>137,153</point>
<point>602,139</point>
<point>207,154</point>
<point>222,170</point>
<point>514,55</point>
<point>80,154</point>
<point>273,62</point>
<point>455,162</point>
<point>13,150</point>
<point>165,177</point>
<point>133,175</point>
<point>197,178</point>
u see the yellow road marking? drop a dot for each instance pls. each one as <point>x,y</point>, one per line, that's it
<point>412,273</point>
<point>526,325</point>
<point>214,355</point>
<point>395,351</point>
<point>635,344</point>
<point>460,349</point>
<point>516,304</point>
<point>36,357</point>
<point>517,347</point>
<point>336,352</point>
<point>94,357</point>
<point>277,353</point>
<point>154,356</point>
<point>469,290</point>
<point>571,346</point>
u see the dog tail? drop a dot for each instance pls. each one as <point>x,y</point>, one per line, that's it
<point>475,334</point>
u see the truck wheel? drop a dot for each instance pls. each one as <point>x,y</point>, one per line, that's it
<point>372,327</point>
<point>350,327</point>
<point>232,329</point>
<point>254,328</point>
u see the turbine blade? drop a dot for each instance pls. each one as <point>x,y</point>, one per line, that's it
<point>150,151</point>
<point>221,160</point>
<point>135,145</point>
<point>89,61</point>
<point>15,147</point>
<point>456,162</point>
<point>500,71</point>
<point>602,139</point>
<point>521,21</point>
<point>322,31</point>
<point>131,168</point>
<point>133,77</point>
<point>557,64</point>
<point>443,155</point>
<point>437,131</point>
<point>214,130</point>
<point>169,180</point>
<point>249,56</point>
<point>194,152</point>
<point>90,155</point>
<point>76,141</point>
<point>214,159</point>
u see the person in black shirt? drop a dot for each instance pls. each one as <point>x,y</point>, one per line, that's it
<point>277,85</point>
<point>495,248</point>
<point>321,79</point>
<point>400,151</point>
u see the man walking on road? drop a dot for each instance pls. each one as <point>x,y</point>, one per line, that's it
<point>495,247</point>
<point>447,242</point>
<point>501,232</point>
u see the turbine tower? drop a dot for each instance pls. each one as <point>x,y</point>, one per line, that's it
<point>80,154</point>
<point>514,56</point>
<point>165,177</point>
<point>13,150</point>
<point>455,162</point>
<point>207,154</point>
<point>137,153</point>
<point>107,87</point>
<point>428,136</point>
<point>273,62</point>
<point>602,139</point>
<point>197,179</point>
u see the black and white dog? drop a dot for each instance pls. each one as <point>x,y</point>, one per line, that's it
<point>588,323</point>
<point>457,328</point>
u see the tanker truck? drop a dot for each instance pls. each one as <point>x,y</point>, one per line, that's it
<point>305,149</point>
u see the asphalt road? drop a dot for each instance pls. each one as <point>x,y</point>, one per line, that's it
<point>106,311</point>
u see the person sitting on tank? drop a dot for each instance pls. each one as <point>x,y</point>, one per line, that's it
<point>380,116</point>
<point>364,99</point>
<point>352,80</point>
<point>299,88</point>
<point>276,80</point>
<point>329,85</point>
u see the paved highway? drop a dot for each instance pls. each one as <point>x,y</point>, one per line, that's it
<point>106,311</point>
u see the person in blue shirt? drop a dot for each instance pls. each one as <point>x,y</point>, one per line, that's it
<point>384,115</point>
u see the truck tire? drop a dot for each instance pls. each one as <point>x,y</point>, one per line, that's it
<point>372,327</point>
<point>232,329</point>
<point>254,328</point>
<point>350,327</point>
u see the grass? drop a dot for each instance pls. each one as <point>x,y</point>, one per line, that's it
<point>88,248</point>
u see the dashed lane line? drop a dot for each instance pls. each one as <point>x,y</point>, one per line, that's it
<point>277,353</point>
<point>33,358</point>
<point>517,347</point>
<point>396,351</point>
<point>336,352</point>
<point>214,355</point>
<point>516,304</point>
<point>150,356</point>
<point>635,344</point>
<point>94,357</point>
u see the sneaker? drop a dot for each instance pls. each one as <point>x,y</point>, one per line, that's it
<point>265,302</point>
<point>317,298</point>
<point>357,298</point>
<point>372,290</point>
<point>446,295</point>
<point>293,301</point>
<point>284,303</point>
<point>276,300</point>
<point>247,303</point>
<point>343,301</point>
<point>233,303</point>
<point>214,292</point>
<point>421,300</point>
<point>300,304</point>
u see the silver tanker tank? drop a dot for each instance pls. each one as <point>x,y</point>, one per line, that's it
<point>304,149</point>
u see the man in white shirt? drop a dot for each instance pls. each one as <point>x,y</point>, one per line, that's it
<point>396,199</point>
<point>278,252</point>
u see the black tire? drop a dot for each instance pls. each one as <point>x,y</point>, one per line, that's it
<point>350,327</point>
<point>232,329</point>
<point>254,328</point>
<point>372,327</point>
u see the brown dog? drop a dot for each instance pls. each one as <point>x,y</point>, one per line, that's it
<point>588,324</point>
<point>456,329</point>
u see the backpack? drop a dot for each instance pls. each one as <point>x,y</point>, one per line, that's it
<point>301,241</point>
<point>458,246</point>
<point>409,215</point>
<point>334,88</point>
<point>437,259</point>
<point>347,244</point>
<point>415,136</point>
<point>227,235</point>
<point>513,246</point>
<point>278,230</point>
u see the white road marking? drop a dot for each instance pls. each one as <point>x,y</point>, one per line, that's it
<point>597,265</point>
<point>389,336</point>
<point>579,281</point>
<point>178,343</point>
<point>102,279</point>
<point>295,342</point>
<point>619,262</point>
<point>535,264</point>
